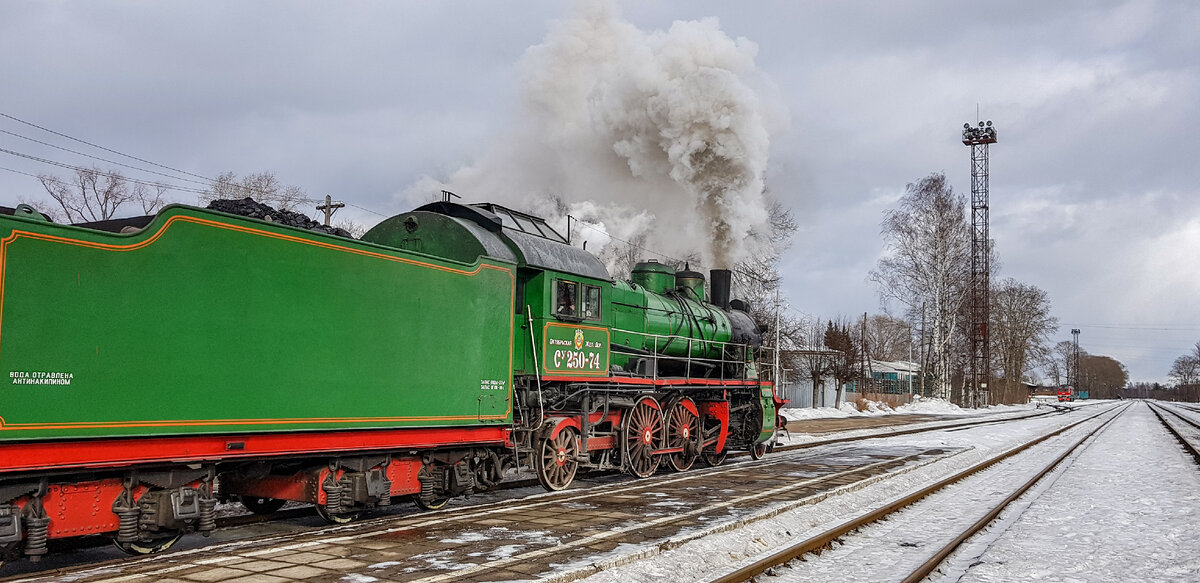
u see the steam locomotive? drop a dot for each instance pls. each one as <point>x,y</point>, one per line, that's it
<point>155,366</point>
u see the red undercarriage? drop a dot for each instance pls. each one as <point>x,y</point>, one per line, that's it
<point>82,508</point>
<point>104,453</point>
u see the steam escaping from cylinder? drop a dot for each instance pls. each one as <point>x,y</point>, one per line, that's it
<point>665,125</point>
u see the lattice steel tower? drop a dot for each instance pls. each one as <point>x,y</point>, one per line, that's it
<point>975,390</point>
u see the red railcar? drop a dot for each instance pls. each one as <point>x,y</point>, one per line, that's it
<point>1066,393</point>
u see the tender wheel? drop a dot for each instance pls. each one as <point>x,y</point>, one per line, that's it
<point>261,505</point>
<point>339,518</point>
<point>557,460</point>
<point>683,429</point>
<point>642,435</point>
<point>155,545</point>
<point>758,450</point>
<point>715,459</point>
<point>435,504</point>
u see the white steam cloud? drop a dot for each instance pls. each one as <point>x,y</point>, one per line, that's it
<point>657,135</point>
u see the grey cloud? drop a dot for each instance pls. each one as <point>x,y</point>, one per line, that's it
<point>1093,181</point>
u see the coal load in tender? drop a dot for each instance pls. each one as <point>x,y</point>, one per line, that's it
<point>248,207</point>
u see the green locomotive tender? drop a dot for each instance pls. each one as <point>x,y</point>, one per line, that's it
<point>157,365</point>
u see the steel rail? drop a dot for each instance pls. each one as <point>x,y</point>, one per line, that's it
<point>964,424</point>
<point>236,520</point>
<point>826,539</point>
<point>1187,445</point>
<point>932,563</point>
<point>248,518</point>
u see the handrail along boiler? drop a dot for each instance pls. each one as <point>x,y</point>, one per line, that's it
<point>160,364</point>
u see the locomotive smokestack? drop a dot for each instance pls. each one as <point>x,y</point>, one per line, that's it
<point>720,279</point>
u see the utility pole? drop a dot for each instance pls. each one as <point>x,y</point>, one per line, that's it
<point>1073,368</point>
<point>870,358</point>
<point>862,349</point>
<point>775,373</point>
<point>329,207</point>
<point>910,362</point>
<point>975,390</point>
<point>924,354</point>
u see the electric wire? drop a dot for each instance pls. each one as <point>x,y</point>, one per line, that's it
<point>204,180</point>
<point>1147,328</point>
<point>62,135</point>
<point>102,173</point>
<point>156,184</point>
<point>18,172</point>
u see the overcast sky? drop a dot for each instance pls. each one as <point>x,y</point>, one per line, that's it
<point>1094,183</point>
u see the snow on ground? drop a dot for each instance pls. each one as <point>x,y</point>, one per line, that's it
<point>907,538</point>
<point>703,557</point>
<point>919,406</point>
<point>795,435</point>
<point>1125,510</point>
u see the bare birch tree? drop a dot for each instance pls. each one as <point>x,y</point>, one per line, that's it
<point>1060,362</point>
<point>756,280</point>
<point>150,197</point>
<point>926,266</point>
<point>1020,329</point>
<point>811,359</point>
<point>93,195</point>
<point>263,187</point>
<point>889,338</point>
<point>1186,369</point>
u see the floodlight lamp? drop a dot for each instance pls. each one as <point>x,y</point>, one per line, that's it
<point>966,126</point>
<point>989,123</point>
<point>980,124</point>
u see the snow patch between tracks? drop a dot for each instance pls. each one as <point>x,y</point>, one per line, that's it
<point>628,554</point>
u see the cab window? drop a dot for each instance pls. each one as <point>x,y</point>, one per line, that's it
<point>591,302</point>
<point>566,299</point>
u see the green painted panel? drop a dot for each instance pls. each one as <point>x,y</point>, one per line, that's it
<point>767,398</point>
<point>204,322</point>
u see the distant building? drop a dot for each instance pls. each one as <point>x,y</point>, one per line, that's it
<point>1042,391</point>
<point>893,378</point>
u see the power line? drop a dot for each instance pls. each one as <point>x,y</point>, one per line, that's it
<point>366,209</point>
<point>101,173</point>
<point>18,172</point>
<point>207,182</point>
<point>18,120</point>
<point>1148,328</point>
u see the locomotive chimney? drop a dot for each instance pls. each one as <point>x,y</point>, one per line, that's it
<point>720,279</point>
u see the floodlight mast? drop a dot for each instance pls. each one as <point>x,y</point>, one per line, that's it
<point>975,390</point>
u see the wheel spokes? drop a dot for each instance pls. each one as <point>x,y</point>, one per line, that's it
<point>682,432</point>
<point>642,436</point>
<point>557,460</point>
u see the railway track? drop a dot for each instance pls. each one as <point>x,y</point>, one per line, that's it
<point>712,500</point>
<point>910,431</point>
<point>815,544</point>
<point>1170,418</point>
<point>518,538</point>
